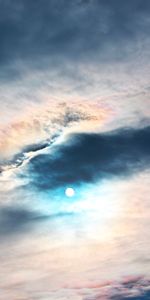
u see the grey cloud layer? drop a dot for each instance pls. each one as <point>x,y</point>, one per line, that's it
<point>15,220</point>
<point>70,29</point>
<point>131,289</point>
<point>88,157</point>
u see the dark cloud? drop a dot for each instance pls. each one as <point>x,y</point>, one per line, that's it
<point>88,157</point>
<point>132,288</point>
<point>15,220</point>
<point>60,29</point>
<point>143,296</point>
<point>18,220</point>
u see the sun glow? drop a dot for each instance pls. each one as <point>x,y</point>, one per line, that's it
<point>69,192</point>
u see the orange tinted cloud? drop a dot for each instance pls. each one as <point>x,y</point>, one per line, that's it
<point>43,121</point>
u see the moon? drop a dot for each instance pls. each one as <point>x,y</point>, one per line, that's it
<point>70,192</point>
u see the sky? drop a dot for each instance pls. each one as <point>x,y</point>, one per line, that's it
<point>74,113</point>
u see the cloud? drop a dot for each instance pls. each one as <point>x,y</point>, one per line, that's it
<point>15,220</point>
<point>39,126</point>
<point>136,288</point>
<point>73,66</point>
<point>73,50</point>
<point>88,157</point>
<point>76,30</point>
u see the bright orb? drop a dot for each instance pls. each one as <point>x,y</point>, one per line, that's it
<point>70,192</point>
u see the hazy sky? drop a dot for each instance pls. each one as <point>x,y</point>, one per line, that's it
<point>74,113</point>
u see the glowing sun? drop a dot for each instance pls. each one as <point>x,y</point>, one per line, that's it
<point>69,192</point>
